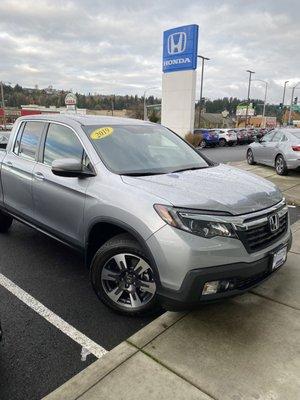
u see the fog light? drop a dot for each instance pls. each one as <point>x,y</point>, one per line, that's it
<point>210,287</point>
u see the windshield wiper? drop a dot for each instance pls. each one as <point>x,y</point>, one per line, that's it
<point>188,169</point>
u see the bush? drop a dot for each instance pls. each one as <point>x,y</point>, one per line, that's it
<point>194,139</point>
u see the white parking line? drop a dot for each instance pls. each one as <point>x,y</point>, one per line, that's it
<point>54,319</point>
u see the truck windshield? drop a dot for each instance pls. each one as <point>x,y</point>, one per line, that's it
<point>142,149</point>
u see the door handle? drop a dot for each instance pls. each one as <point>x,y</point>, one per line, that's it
<point>39,176</point>
<point>8,163</point>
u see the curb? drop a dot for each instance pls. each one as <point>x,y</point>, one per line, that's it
<point>90,376</point>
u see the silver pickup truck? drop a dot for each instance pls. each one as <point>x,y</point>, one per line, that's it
<point>158,223</point>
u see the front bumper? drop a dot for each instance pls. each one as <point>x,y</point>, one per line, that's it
<point>245,275</point>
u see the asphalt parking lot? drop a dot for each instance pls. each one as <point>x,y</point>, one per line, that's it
<point>225,154</point>
<point>35,355</point>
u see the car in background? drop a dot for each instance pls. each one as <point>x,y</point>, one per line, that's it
<point>210,138</point>
<point>251,135</point>
<point>242,136</point>
<point>6,127</point>
<point>227,137</point>
<point>279,148</point>
<point>4,136</point>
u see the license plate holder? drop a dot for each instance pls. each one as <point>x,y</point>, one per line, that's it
<point>278,258</point>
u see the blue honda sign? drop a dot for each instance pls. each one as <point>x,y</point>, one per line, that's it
<point>180,48</point>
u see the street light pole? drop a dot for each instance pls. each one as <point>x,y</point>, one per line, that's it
<point>3,105</point>
<point>248,96</point>
<point>201,86</point>
<point>291,105</point>
<point>265,99</point>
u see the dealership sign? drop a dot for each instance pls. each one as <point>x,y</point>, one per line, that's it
<point>180,47</point>
<point>70,99</point>
<point>241,110</point>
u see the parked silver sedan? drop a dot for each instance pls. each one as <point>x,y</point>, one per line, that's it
<point>280,148</point>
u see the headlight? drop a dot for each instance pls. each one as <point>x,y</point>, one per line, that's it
<point>191,222</point>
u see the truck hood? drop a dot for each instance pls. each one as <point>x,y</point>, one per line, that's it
<point>219,188</point>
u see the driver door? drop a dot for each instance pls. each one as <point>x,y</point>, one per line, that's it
<point>59,201</point>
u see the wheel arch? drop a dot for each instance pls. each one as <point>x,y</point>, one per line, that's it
<point>278,154</point>
<point>103,229</point>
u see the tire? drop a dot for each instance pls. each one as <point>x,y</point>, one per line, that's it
<point>118,281</point>
<point>250,157</point>
<point>203,144</point>
<point>230,144</point>
<point>222,142</point>
<point>280,165</point>
<point>5,222</point>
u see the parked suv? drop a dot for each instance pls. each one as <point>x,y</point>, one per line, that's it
<point>209,137</point>
<point>227,137</point>
<point>157,222</point>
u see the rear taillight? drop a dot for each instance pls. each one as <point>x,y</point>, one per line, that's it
<point>296,148</point>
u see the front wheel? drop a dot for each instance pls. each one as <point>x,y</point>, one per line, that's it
<point>123,277</point>
<point>5,222</point>
<point>250,157</point>
<point>203,144</point>
<point>280,166</point>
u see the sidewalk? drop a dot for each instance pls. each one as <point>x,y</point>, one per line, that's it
<point>245,348</point>
<point>289,185</point>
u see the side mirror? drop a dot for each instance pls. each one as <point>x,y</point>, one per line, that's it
<point>71,168</point>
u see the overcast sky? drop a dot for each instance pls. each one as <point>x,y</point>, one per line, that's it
<point>116,46</point>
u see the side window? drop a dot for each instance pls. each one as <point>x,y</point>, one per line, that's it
<point>61,142</point>
<point>277,137</point>
<point>26,146</point>
<point>268,137</point>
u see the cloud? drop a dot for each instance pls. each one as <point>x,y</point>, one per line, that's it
<point>116,47</point>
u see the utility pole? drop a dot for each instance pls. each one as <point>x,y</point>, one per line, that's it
<point>291,105</point>
<point>248,96</point>
<point>201,87</point>
<point>112,105</point>
<point>265,99</point>
<point>3,105</point>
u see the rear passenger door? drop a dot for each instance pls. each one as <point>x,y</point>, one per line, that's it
<point>17,169</point>
<point>59,201</point>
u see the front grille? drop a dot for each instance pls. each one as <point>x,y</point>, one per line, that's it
<point>259,237</point>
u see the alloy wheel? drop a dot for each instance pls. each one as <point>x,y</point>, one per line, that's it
<point>279,165</point>
<point>250,157</point>
<point>128,280</point>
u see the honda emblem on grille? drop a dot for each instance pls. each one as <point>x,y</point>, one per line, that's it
<point>274,222</point>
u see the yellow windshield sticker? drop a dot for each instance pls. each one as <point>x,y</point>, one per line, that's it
<point>100,133</point>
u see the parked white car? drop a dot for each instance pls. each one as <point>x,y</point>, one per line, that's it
<point>227,137</point>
